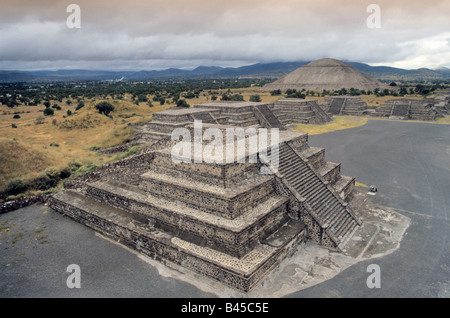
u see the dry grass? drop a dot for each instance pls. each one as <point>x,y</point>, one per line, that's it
<point>30,148</point>
<point>338,123</point>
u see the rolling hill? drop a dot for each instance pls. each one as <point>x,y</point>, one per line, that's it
<point>261,70</point>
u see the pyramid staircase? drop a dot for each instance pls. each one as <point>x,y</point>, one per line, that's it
<point>300,111</point>
<point>266,117</point>
<point>408,109</point>
<point>344,105</point>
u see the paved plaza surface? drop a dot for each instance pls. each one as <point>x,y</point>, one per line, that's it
<point>408,163</point>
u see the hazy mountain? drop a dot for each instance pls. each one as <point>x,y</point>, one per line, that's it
<point>261,70</point>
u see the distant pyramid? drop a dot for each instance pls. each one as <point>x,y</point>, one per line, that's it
<point>329,74</point>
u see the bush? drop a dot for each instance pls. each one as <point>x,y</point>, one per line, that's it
<point>182,103</point>
<point>80,105</point>
<point>104,108</point>
<point>48,111</point>
<point>13,125</point>
<point>44,182</point>
<point>69,112</point>
<point>52,172</point>
<point>237,97</point>
<point>65,173</point>
<point>255,98</point>
<point>15,187</point>
<point>74,166</point>
<point>16,116</point>
<point>275,92</point>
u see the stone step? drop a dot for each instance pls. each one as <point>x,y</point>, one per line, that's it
<point>315,156</point>
<point>330,172</point>
<point>344,186</point>
<point>239,273</point>
<point>225,202</point>
<point>292,229</point>
<point>235,237</point>
<point>308,185</point>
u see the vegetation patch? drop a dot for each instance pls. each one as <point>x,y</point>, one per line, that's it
<point>338,123</point>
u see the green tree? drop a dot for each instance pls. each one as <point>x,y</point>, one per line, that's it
<point>48,111</point>
<point>255,98</point>
<point>104,108</point>
<point>237,97</point>
<point>182,103</point>
<point>79,105</point>
<point>275,92</point>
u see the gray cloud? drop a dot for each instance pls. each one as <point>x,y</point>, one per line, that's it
<point>179,33</point>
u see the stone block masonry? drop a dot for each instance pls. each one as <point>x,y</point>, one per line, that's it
<point>225,221</point>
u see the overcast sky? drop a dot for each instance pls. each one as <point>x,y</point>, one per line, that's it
<point>157,34</point>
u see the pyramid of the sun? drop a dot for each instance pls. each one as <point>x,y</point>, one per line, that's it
<point>325,74</point>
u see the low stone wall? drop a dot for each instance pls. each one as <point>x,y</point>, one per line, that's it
<point>126,170</point>
<point>22,202</point>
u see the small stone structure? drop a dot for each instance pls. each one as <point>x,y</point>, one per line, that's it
<point>442,103</point>
<point>408,109</point>
<point>344,105</point>
<point>224,220</point>
<point>301,111</point>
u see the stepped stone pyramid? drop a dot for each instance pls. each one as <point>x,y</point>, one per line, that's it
<point>344,105</point>
<point>302,111</point>
<point>408,109</point>
<point>224,220</point>
<point>325,74</point>
<point>442,103</point>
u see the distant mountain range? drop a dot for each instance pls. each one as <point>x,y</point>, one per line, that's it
<point>260,70</point>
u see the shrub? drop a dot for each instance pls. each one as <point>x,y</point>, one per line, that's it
<point>52,172</point>
<point>255,98</point>
<point>104,108</point>
<point>65,173</point>
<point>74,166</point>
<point>275,92</point>
<point>69,112</point>
<point>48,111</point>
<point>44,182</point>
<point>15,187</point>
<point>54,144</point>
<point>16,116</point>
<point>182,103</point>
<point>13,125</point>
<point>237,97</point>
<point>80,105</point>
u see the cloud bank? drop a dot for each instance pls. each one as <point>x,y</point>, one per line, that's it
<point>157,34</point>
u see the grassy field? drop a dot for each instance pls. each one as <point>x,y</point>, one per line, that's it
<point>40,142</point>
<point>338,123</point>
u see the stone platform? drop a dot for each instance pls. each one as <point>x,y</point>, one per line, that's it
<point>224,220</point>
